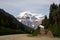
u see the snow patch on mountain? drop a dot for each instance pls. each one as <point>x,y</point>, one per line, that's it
<point>30,19</point>
<point>27,13</point>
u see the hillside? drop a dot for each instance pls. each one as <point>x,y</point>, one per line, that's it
<point>10,25</point>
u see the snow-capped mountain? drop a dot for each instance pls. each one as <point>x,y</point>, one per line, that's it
<point>30,19</point>
<point>29,14</point>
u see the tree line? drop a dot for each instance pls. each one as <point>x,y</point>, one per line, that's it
<point>53,22</point>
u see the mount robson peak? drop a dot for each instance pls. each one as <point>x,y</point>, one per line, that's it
<point>32,20</point>
<point>10,25</point>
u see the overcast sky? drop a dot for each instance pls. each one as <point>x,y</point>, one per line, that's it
<point>14,7</point>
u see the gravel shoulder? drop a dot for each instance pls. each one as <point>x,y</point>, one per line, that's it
<point>25,37</point>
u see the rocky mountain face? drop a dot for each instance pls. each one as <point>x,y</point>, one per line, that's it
<point>30,19</point>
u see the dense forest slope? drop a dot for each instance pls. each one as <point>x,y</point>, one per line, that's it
<point>10,25</point>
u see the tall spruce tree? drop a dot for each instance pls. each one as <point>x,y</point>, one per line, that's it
<point>53,7</point>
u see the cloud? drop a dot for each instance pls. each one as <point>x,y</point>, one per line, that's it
<point>16,6</point>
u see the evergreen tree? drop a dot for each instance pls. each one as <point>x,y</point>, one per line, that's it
<point>45,22</point>
<point>53,7</point>
<point>54,17</point>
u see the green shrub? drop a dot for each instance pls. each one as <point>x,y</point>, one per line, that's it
<point>36,32</point>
